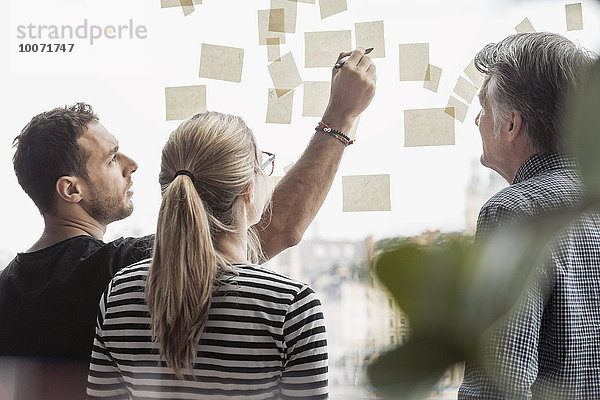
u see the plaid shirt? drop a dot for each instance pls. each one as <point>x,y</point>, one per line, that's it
<point>550,347</point>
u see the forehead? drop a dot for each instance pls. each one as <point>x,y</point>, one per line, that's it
<point>96,140</point>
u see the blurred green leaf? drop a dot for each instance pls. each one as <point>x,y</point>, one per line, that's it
<point>584,129</point>
<point>452,293</point>
<point>410,371</point>
<point>425,281</point>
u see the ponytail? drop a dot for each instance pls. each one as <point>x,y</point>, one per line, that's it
<point>195,215</point>
<point>184,269</point>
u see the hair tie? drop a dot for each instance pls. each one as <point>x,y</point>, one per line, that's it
<point>184,172</point>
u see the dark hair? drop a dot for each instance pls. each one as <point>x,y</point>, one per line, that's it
<point>47,149</point>
<point>532,74</point>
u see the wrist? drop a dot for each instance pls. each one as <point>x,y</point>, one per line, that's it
<point>339,121</point>
<point>341,136</point>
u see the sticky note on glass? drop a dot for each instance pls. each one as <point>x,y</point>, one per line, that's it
<point>175,3</point>
<point>465,89</point>
<point>370,34</point>
<point>184,101</point>
<point>574,17</point>
<point>474,75</point>
<point>284,74</point>
<point>187,6</point>
<point>222,63</point>
<point>263,29</point>
<point>282,16</point>
<point>435,74</point>
<point>414,62</point>
<point>273,49</point>
<point>525,26</point>
<point>279,108</point>
<point>316,98</point>
<point>321,49</point>
<point>366,193</point>
<point>428,127</point>
<point>331,7</point>
<point>457,109</point>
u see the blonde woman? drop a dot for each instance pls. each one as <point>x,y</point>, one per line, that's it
<point>200,319</point>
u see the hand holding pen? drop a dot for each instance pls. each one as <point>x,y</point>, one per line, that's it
<point>346,58</point>
<point>352,89</point>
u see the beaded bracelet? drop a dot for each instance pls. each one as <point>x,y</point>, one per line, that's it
<point>323,127</point>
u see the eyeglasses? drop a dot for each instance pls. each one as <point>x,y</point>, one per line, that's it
<point>268,164</point>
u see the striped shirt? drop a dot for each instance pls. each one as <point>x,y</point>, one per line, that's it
<point>264,339</point>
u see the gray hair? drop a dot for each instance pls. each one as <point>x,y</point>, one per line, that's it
<point>532,74</point>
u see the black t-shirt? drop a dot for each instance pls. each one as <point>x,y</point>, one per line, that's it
<point>49,298</point>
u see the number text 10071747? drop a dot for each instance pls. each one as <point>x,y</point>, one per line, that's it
<point>46,47</point>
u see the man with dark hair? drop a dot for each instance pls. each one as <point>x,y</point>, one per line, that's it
<point>73,170</point>
<point>550,347</point>
<point>50,140</point>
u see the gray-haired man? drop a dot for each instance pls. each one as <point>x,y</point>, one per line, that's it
<point>551,346</point>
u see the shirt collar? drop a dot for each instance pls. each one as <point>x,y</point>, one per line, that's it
<point>540,163</point>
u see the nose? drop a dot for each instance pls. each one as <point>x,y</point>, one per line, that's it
<point>129,165</point>
<point>477,118</point>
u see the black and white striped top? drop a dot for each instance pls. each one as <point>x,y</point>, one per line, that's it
<point>264,339</point>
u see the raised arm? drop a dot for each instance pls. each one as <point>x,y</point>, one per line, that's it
<point>302,191</point>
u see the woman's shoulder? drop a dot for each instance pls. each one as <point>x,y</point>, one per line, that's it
<point>132,273</point>
<point>261,275</point>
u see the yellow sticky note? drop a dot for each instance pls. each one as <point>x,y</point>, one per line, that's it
<point>366,193</point>
<point>282,16</point>
<point>574,17</point>
<point>370,34</point>
<point>331,7</point>
<point>465,89</point>
<point>277,20</point>
<point>316,98</point>
<point>428,127</point>
<point>273,49</point>
<point>221,62</point>
<point>473,74</point>
<point>279,109</point>
<point>284,74</point>
<point>525,26</point>
<point>184,101</point>
<point>263,29</point>
<point>414,62</point>
<point>323,48</point>
<point>435,74</point>
<point>187,6</point>
<point>457,109</point>
<point>175,3</point>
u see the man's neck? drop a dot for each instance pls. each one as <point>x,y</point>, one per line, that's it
<point>519,161</point>
<point>57,229</point>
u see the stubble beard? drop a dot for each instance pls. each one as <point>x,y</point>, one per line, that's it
<point>106,208</point>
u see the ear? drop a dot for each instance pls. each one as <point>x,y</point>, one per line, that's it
<point>515,127</point>
<point>248,194</point>
<point>69,188</point>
